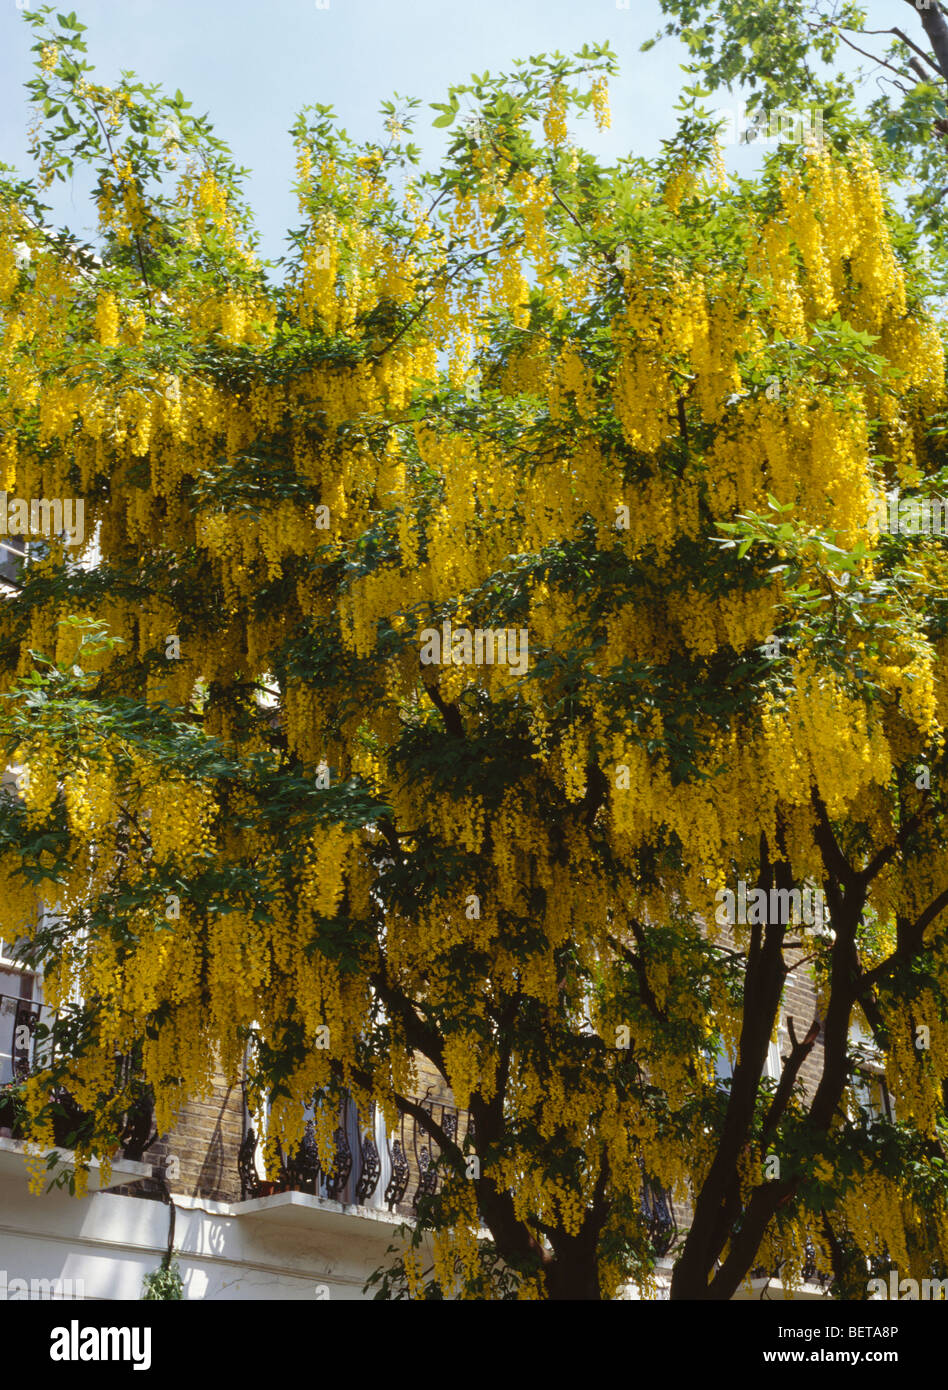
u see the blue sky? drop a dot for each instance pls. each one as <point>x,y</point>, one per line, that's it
<point>252,65</point>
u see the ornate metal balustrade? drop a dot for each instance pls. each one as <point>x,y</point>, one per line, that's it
<point>28,1042</point>
<point>25,1037</point>
<point>660,1216</point>
<point>369,1166</point>
<point>396,1169</point>
<point>810,1273</point>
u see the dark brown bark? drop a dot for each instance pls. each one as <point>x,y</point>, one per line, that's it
<point>715,1206</point>
<point>933,22</point>
<point>449,713</point>
<point>574,1277</point>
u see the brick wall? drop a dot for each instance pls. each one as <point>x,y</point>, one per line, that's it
<point>800,1004</point>
<point>205,1142</point>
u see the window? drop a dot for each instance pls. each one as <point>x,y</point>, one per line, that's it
<point>362,1169</point>
<point>20,1010</point>
<point>371,1167</point>
<point>773,1064</point>
<point>12,556</point>
<point>723,1066</point>
<point>773,1067</point>
<point>16,551</point>
<point>24,1043</point>
<point>867,1079</point>
<point>354,1166</point>
<point>871,1095</point>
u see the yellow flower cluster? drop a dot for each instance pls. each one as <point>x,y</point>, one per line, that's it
<point>600,96</point>
<point>554,119</point>
<point>873,1211</point>
<point>107,321</point>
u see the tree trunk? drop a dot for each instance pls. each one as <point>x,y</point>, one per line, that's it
<point>933,22</point>
<point>573,1280</point>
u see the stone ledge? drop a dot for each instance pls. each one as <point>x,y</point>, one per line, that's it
<point>302,1210</point>
<point>14,1153</point>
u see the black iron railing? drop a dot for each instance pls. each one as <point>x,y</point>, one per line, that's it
<point>28,1043</point>
<point>659,1214</point>
<point>25,1037</point>
<point>397,1169</point>
<point>369,1165</point>
<point>811,1275</point>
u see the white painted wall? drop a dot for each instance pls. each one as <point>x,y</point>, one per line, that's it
<point>288,1246</point>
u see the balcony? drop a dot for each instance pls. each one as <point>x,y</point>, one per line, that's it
<point>26,1029</point>
<point>370,1167</point>
<point>761,1277</point>
<point>660,1219</point>
<point>27,1044</point>
<point>392,1172</point>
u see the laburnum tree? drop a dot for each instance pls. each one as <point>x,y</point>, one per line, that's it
<point>885,71</point>
<point>650,424</point>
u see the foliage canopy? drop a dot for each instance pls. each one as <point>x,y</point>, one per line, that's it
<point>638,414</point>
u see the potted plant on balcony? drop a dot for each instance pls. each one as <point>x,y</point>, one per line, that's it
<point>68,1120</point>
<point>11,1110</point>
<point>139,1133</point>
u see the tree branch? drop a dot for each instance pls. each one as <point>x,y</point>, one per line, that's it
<point>933,22</point>
<point>835,861</point>
<point>910,943</point>
<point>879,861</point>
<point>449,713</point>
<point>435,1131</point>
<point>880,62</point>
<point>634,959</point>
<point>799,1051</point>
<point>418,1034</point>
<point>714,1207</point>
<point>906,40</point>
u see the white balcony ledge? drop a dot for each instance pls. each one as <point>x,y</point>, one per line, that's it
<point>15,1152</point>
<point>303,1210</point>
<point>773,1290</point>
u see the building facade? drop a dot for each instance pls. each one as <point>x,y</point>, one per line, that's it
<point>202,1191</point>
